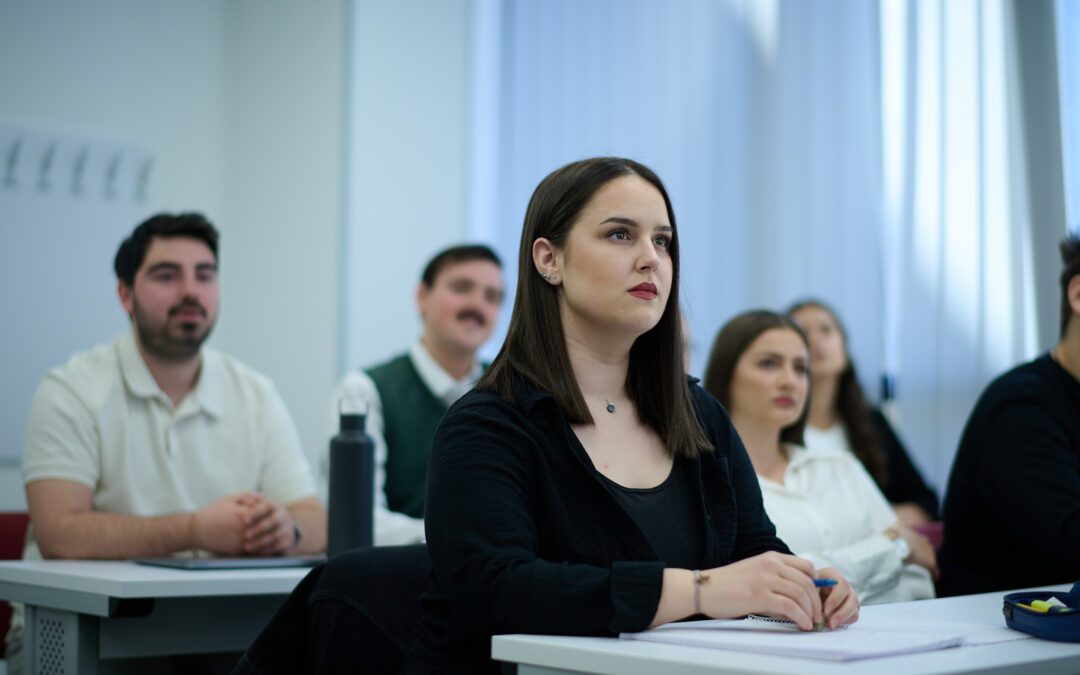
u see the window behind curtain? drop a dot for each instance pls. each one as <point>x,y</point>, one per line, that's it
<point>1068,42</point>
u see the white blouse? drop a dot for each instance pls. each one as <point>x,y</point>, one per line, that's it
<point>829,511</point>
<point>833,438</point>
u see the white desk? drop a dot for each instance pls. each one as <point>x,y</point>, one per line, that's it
<point>537,654</point>
<point>78,611</point>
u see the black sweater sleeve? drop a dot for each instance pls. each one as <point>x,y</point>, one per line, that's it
<point>904,482</point>
<point>729,462</point>
<point>492,502</point>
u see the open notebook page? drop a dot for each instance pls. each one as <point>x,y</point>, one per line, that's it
<point>867,638</point>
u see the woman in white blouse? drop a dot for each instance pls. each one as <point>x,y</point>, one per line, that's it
<point>825,506</point>
<point>840,417</point>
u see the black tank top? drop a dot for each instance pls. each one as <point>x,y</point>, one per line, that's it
<point>670,515</point>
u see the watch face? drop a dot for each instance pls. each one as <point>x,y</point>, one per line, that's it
<point>902,548</point>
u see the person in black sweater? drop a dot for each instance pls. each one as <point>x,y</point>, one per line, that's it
<point>1012,506</point>
<point>841,417</point>
<point>585,487</point>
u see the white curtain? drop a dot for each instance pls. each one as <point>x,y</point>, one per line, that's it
<point>958,281</point>
<point>760,116</point>
<point>1068,42</point>
<point>862,153</point>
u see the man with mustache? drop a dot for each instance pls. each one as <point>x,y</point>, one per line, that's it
<point>153,444</point>
<point>458,299</point>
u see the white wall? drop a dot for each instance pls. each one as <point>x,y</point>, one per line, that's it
<point>408,175</point>
<point>242,106</point>
<point>148,73</point>
<point>285,154</point>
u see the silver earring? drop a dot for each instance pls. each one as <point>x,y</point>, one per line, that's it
<point>547,277</point>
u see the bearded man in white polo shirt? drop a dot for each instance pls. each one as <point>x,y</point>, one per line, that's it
<point>153,444</point>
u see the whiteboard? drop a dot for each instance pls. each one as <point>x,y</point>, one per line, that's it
<point>66,203</point>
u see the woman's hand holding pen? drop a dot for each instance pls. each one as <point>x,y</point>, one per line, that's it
<point>839,602</point>
<point>771,583</point>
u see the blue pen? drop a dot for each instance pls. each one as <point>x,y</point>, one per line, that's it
<point>822,583</point>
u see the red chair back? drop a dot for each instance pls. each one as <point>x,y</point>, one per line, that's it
<point>12,536</point>
<point>934,531</point>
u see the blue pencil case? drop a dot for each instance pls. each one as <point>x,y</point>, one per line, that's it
<point>1061,626</point>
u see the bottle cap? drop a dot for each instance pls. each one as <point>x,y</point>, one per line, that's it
<point>352,405</point>
<point>352,410</point>
<point>352,422</point>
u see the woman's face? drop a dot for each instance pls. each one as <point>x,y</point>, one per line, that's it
<point>828,353</point>
<point>615,269</point>
<point>769,385</point>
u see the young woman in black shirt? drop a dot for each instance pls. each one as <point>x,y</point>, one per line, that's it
<point>586,487</point>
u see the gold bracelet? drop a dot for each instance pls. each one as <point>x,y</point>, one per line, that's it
<point>191,536</point>
<point>699,580</point>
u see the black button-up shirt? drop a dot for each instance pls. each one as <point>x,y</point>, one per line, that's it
<point>526,537</point>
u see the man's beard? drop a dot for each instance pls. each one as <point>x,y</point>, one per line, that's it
<point>165,346</point>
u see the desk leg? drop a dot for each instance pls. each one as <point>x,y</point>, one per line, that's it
<point>60,642</point>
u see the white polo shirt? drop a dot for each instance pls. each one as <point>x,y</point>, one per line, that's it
<point>102,420</point>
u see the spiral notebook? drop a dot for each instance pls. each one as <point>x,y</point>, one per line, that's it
<point>868,638</point>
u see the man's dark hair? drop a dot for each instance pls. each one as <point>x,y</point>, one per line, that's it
<point>132,251</point>
<point>535,345</point>
<point>455,255</point>
<point>1070,255</point>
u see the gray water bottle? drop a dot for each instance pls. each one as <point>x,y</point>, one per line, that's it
<point>352,482</point>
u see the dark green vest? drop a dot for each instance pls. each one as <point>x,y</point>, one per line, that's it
<point>410,414</point>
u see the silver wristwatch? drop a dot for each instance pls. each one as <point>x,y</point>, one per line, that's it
<point>903,549</point>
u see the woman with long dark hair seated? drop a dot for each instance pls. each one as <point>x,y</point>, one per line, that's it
<point>840,418</point>
<point>586,487</point>
<point>824,504</point>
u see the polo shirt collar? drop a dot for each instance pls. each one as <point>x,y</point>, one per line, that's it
<point>208,394</point>
<point>210,387</point>
<point>137,375</point>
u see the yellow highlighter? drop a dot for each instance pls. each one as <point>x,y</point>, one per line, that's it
<point>1051,606</point>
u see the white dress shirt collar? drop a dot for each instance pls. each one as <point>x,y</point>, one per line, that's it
<point>441,383</point>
